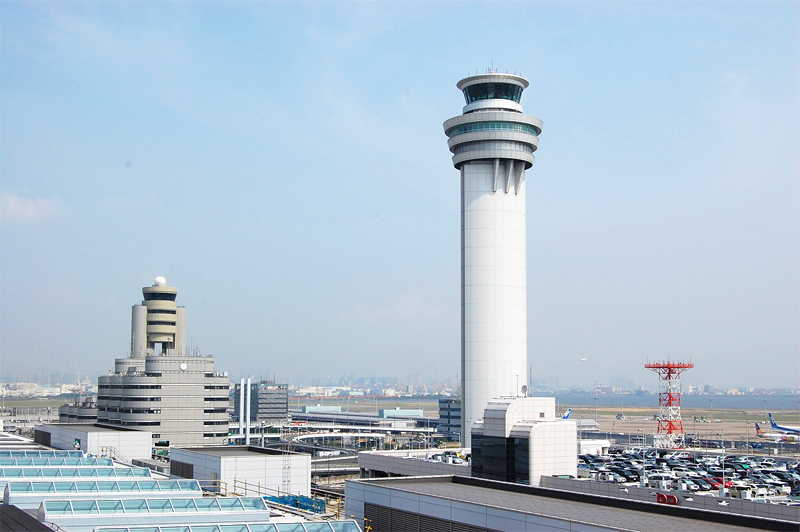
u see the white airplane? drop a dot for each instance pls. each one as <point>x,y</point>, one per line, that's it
<point>583,359</point>
<point>787,429</point>
<point>776,437</point>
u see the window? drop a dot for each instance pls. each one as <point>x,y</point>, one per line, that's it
<point>490,91</point>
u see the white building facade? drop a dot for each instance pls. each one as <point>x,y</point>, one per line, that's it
<point>521,440</point>
<point>492,144</point>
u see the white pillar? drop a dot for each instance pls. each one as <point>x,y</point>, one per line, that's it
<point>241,407</point>
<point>138,331</point>
<point>247,416</point>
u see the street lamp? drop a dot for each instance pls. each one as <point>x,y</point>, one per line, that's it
<point>722,486</point>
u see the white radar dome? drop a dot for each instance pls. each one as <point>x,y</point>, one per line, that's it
<point>161,280</point>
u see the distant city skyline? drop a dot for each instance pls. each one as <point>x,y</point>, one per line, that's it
<point>283,164</point>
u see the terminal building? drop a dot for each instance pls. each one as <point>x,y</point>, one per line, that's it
<point>269,402</point>
<point>161,387</point>
<point>520,440</point>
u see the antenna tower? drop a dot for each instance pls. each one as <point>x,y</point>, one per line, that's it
<point>670,433</point>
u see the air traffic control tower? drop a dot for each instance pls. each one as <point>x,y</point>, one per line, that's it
<point>492,143</point>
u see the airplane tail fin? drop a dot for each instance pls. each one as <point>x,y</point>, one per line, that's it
<point>566,415</point>
<point>772,421</point>
<point>759,431</point>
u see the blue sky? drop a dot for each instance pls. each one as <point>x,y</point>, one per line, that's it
<point>283,164</point>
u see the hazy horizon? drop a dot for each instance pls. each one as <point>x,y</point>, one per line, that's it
<point>284,166</point>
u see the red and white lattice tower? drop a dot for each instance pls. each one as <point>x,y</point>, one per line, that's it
<point>670,426</point>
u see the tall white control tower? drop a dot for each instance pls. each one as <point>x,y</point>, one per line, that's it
<point>492,143</point>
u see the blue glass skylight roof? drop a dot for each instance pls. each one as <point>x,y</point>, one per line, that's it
<point>54,461</point>
<point>326,526</point>
<point>70,472</point>
<point>155,505</point>
<point>101,486</point>
<point>41,454</point>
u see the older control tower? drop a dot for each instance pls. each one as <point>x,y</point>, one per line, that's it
<point>158,320</point>
<point>492,144</point>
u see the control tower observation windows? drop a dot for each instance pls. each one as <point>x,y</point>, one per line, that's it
<point>159,296</point>
<point>490,91</point>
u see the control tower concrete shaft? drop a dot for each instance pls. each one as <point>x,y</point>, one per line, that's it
<point>492,144</point>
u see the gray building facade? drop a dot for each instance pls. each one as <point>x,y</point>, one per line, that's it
<point>177,396</point>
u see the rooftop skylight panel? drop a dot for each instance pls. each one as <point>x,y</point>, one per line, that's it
<point>233,528</point>
<point>318,527</point>
<point>290,527</point>
<point>253,503</point>
<point>105,471</point>
<point>188,485</point>
<point>20,487</point>
<point>264,527</point>
<point>345,526</point>
<point>128,485</point>
<point>207,505</point>
<point>159,505</point>
<point>84,507</point>
<point>88,471</point>
<point>57,507</point>
<point>175,529</point>
<point>184,505</point>
<point>169,485</point>
<point>206,528</point>
<point>148,485</point>
<point>86,485</point>
<point>9,472</point>
<point>110,507</point>
<point>135,506</point>
<point>45,461</point>
<point>70,472</point>
<point>107,485</point>
<point>31,472</point>
<point>65,486</point>
<point>43,487</point>
<point>51,472</point>
<point>228,505</point>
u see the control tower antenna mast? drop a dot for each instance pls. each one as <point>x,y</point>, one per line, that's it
<point>670,433</point>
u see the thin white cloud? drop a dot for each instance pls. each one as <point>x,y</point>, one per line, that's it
<point>16,209</point>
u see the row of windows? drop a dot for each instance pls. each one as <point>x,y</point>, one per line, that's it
<point>168,323</point>
<point>159,296</point>
<point>216,422</point>
<point>215,434</point>
<point>140,423</point>
<point>226,399</point>
<point>129,387</point>
<point>117,398</point>
<point>209,387</point>
<point>490,91</point>
<point>493,126</point>
<point>215,411</point>
<point>494,145</point>
<point>131,410</point>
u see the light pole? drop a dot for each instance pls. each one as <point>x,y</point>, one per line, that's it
<point>722,486</point>
<point>765,410</point>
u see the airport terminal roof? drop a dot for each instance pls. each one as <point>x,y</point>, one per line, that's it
<point>530,500</point>
<point>36,453</point>
<point>327,526</point>
<point>237,450</point>
<point>90,462</point>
